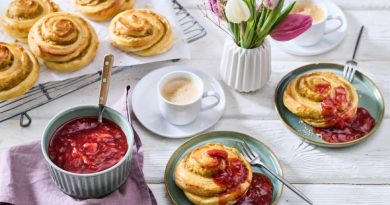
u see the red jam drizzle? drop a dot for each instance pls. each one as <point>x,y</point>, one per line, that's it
<point>234,173</point>
<point>259,193</point>
<point>332,108</point>
<point>348,130</point>
<point>217,156</point>
<point>322,88</point>
<point>83,145</point>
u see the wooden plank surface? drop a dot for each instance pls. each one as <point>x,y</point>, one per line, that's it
<point>322,194</point>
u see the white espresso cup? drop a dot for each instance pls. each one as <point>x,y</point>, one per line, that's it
<point>318,29</point>
<point>180,96</point>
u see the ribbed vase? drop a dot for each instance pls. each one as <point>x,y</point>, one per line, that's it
<point>245,70</point>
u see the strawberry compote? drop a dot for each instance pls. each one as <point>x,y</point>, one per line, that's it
<point>346,128</point>
<point>234,173</point>
<point>259,193</point>
<point>83,145</point>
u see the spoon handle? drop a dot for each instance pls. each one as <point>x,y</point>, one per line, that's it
<point>105,82</point>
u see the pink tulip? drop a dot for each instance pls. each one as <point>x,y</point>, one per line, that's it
<point>291,27</point>
<point>217,6</point>
<point>214,6</point>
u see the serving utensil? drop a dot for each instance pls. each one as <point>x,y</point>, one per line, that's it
<point>351,65</point>
<point>255,160</point>
<point>105,84</point>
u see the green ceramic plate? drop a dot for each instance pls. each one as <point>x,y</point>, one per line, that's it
<point>228,139</point>
<point>370,98</point>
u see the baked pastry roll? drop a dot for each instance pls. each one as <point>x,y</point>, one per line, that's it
<point>100,10</point>
<point>212,174</point>
<point>63,41</point>
<point>22,14</point>
<point>19,69</point>
<point>142,32</point>
<point>321,99</point>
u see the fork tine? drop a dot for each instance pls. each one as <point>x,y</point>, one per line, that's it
<point>349,72</point>
<point>353,73</point>
<point>345,71</point>
<point>243,151</point>
<point>250,150</point>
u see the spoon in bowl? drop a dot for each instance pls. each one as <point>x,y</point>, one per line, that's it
<point>104,85</point>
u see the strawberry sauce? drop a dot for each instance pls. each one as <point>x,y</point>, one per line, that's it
<point>259,193</point>
<point>332,108</point>
<point>235,172</point>
<point>83,145</point>
<point>346,128</point>
<point>322,88</point>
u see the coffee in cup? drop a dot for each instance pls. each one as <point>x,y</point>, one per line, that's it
<point>319,12</point>
<point>180,90</point>
<point>180,96</point>
<point>310,9</point>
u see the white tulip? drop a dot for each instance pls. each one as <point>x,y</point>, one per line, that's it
<point>237,11</point>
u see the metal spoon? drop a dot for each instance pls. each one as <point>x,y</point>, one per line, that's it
<point>105,84</point>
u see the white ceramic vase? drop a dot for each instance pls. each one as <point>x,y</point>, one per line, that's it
<point>245,70</point>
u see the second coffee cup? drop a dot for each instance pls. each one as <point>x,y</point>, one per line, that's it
<point>318,10</point>
<point>180,96</point>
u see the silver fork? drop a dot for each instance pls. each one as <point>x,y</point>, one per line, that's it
<point>255,160</point>
<point>351,65</point>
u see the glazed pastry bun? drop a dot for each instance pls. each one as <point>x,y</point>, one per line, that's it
<point>63,41</point>
<point>141,31</point>
<point>213,173</point>
<point>321,99</point>
<point>22,14</point>
<point>100,10</point>
<point>19,69</point>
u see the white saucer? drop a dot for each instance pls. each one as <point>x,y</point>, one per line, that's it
<point>328,42</point>
<point>145,107</point>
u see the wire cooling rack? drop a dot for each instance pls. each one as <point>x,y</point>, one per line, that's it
<point>47,92</point>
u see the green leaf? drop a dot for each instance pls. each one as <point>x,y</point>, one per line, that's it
<point>249,34</point>
<point>283,15</point>
<point>270,21</point>
<point>261,22</point>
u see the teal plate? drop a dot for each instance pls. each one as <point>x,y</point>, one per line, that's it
<point>229,139</point>
<point>370,98</point>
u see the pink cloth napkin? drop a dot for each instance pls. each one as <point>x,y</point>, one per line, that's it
<point>25,179</point>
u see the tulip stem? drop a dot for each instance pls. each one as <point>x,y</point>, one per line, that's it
<point>242,34</point>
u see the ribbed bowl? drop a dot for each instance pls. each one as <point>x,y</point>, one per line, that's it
<point>91,185</point>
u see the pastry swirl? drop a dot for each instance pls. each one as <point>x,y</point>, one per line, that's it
<point>212,174</point>
<point>63,41</point>
<point>321,99</point>
<point>22,14</point>
<point>142,32</point>
<point>19,69</point>
<point>100,10</point>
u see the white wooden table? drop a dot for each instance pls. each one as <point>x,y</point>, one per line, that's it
<point>355,175</point>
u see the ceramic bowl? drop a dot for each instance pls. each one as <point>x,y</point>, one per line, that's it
<point>91,185</point>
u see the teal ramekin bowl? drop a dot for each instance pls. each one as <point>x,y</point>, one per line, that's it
<point>91,185</point>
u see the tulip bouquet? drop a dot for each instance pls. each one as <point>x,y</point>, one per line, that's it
<point>249,22</point>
